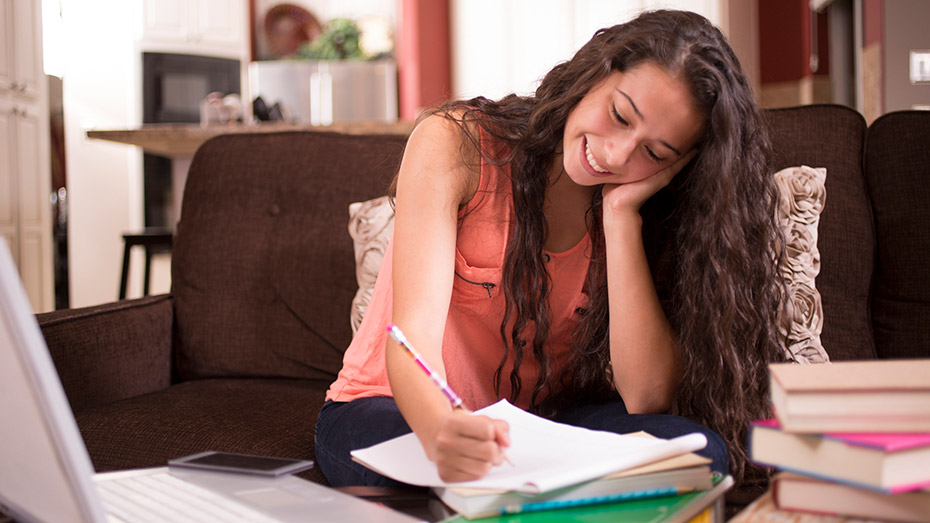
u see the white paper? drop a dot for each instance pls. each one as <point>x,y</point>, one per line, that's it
<point>545,454</point>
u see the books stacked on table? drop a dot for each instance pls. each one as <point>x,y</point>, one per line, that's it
<point>849,438</point>
<point>676,476</point>
<point>565,472</point>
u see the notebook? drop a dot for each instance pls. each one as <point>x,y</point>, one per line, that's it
<point>46,472</point>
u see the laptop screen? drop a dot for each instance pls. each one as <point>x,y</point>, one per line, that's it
<point>45,472</point>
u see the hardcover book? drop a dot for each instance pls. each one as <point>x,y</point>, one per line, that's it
<point>852,396</point>
<point>807,494</point>
<point>881,461</point>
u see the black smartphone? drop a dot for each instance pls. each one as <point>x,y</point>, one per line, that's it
<point>241,463</point>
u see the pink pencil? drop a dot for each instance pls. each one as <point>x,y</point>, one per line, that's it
<point>398,335</point>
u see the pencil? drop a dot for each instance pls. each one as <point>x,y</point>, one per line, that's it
<point>454,398</point>
<point>399,337</point>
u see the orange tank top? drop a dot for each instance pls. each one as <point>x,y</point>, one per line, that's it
<point>472,347</point>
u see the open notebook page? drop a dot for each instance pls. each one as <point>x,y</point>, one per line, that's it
<point>545,454</point>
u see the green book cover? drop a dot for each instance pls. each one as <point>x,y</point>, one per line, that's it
<point>669,508</point>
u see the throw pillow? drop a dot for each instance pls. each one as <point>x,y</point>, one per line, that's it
<point>371,226</point>
<point>801,198</point>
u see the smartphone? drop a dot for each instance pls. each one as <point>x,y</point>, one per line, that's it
<point>240,463</point>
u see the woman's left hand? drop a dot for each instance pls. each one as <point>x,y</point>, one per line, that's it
<point>632,196</point>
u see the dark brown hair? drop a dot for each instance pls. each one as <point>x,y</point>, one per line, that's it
<point>710,236</point>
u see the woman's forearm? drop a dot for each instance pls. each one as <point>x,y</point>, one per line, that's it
<point>646,368</point>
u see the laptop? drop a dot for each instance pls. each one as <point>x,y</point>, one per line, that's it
<point>46,472</point>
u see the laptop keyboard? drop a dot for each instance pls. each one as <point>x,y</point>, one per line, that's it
<point>163,497</point>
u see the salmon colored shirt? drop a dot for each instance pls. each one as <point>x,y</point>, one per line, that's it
<point>472,346</point>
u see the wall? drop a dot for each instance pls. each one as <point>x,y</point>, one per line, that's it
<point>105,197</point>
<point>505,46</point>
<point>872,74</point>
<point>740,22</point>
<point>906,29</point>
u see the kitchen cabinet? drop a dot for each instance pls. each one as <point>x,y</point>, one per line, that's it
<point>20,57</point>
<point>185,26</point>
<point>25,172</point>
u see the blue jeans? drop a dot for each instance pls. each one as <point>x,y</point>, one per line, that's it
<point>343,427</point>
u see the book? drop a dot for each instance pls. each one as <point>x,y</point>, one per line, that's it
<point>670,477</point>
<point>807,494</point>
<point>882,461</point>
<point>544,455</point>
<point>764,509</point>
<point>701,506</point>
<point>852,396</point>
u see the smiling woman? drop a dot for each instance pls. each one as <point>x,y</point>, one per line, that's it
<point>603,252</point>
<point>624,128</point>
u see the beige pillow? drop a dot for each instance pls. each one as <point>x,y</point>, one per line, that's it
<point>801,199</point>
<point>371,225</point>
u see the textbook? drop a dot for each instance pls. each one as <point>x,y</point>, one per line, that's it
<point>852,396</point>
<point>703,506</point>
<point>544,455</point>
<point>807,494</point>
<point>674,476</point>
<point>883,461</point>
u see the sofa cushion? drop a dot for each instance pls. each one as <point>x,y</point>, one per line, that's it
<point>832,137</point>
<point>801,199</point>
<point>262,270</point>
<point>371,226</point>
<point>113,351</point>
<point>897,168</point>
<point>252,416</point>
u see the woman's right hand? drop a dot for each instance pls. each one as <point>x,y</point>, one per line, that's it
<point>467,446</point>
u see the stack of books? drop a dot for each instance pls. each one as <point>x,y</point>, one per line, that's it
<point>558,472</point>
<point>849,439</point>
<point>684,481</point>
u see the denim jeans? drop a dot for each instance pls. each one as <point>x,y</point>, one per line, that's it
<point>343,427</point>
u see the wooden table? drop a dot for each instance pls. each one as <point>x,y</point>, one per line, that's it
<point>179,142</point>
<point>182,140</point>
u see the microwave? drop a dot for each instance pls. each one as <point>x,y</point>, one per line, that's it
<point>173,85</point>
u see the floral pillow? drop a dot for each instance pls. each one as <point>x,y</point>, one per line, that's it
<point>801,199</point>
<point>371,226</point>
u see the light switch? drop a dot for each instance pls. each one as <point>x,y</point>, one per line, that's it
<point>920,66</point>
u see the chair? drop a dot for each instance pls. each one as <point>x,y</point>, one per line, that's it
<point>154,240</point>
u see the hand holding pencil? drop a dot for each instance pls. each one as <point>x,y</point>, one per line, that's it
<point>466,429</point>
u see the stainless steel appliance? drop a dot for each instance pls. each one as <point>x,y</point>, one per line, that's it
<point>321,92</point>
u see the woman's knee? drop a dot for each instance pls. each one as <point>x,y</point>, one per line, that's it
<point>344,427</point>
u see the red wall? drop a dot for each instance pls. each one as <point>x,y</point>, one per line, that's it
<point>872,21</point>
<point>423,55</point>
<point>785,40</point>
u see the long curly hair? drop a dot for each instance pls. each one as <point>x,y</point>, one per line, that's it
<point>710,236</point>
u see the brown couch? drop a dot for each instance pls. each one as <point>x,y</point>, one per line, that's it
<point>239,355</point>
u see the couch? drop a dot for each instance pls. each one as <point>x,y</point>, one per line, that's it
<point>239,355</point>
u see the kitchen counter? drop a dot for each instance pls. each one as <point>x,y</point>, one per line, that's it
<point>182,140</point>
<point>179,142</point>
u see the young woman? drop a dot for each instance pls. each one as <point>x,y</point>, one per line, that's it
<point>603,253</point>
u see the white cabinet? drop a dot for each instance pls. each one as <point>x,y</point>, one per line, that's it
<point>20,58</point>
<point>214,26</point>
<point>25,175</point>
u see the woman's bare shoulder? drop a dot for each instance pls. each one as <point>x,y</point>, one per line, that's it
<point>451,143</point>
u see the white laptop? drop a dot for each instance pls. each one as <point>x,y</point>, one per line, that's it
<point>46,473</point>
